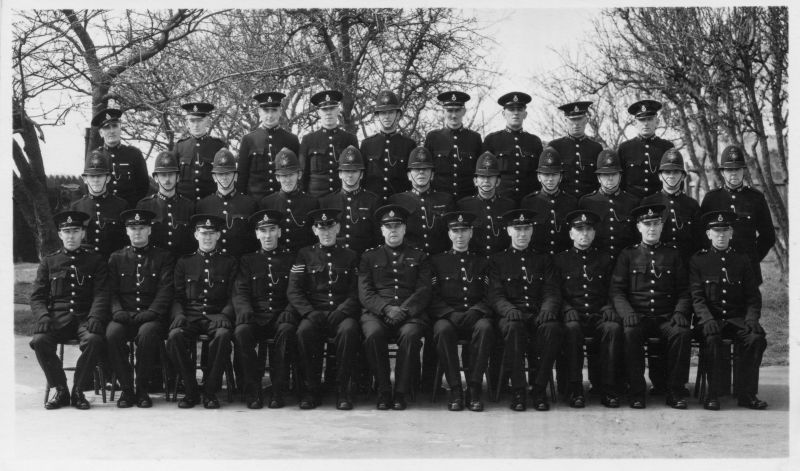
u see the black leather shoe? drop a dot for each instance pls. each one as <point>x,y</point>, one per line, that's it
<point>276,402</point>
<point>59,400</point>
<point>676,401</point>
<point>518,401</point>
<point>384,402</point>
<point>751,402</point>
<point>474,397</point>
<point>577,401</point>
<point>255,403</point>
<point>712,403</point>
<point>189,400</point>
<point>637,403</point>
<point>612,402</point>
<point>456,401</point>
<point>79,400</point>
<point>399,402</point>
<point>343,401</point>
<point>126,399</point>
<point>143,400</point>
<point>211,402</point>
<point>307,402</point>
<point>540,402</point>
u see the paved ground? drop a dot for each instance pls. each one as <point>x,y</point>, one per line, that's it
<point>424,431</point>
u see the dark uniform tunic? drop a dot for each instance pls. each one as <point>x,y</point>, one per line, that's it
<point>70,288</point>
<point>394,276</point>
<point>195,156</point>
<point>325,279</point>
<point>550,230</point>
<point>319,153</point>
<point>358,229</point>
<point>171,229</point>
<point>454,154</point>
<point>424,226</point>
<point>489,234</point>
<point>579,161</point>
<point>753,232</point>
<point>235,208</point>
<point>260,300</point>
<point>256,164</point>
<point>724,288</point>
<point>525,281</point>
<point>460,282</point>
<point>203,290</point>
<point>682,226</point>
<point>295,232</point>
<point>517,154</point>
<point>105,231</point>
<point>649,282</point>
<point>386,158</point>
<point>141,285</point>
<point>129,178</point>
<point>640,158</point>
<point>614,231</point>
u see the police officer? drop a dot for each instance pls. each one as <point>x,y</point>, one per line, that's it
<point>551,205</point>
<point>202,305</point>
<point>612,204</point>
<point>386,152</point>
<point>128,170</point>
<point>394,288</point>
<point>682,226</point>
<point>170,228</point>
<point>69,300</point>
<point>263,311</point>
<point>578,151</point>
<point>323,289</point>
<point>140,277</point>
<point>584,276</point>
<point>516,149</point>
<point>488,207</point>
<point>320,149</point>
<point>728,305</point>
<point>454,147</point>
<point>524,294</point>
<point>641,155</point>
<point>650,292</point>
<point>259,148</point>
<point>104,231</point>
<point>230,205</point>
<point>753,232</point>
<point>460,282</point>
<point>425,205</point>
<point>357,227</point>
<point>291,201</point>
<point>195,152</point>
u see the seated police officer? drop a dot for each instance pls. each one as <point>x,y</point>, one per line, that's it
<point>202,305</point>
<point>69,300</point>
<point>263,310</point>
<point>394,287</point>
<point>649,289</point>
<point>140,277</point>
<point>460,282</point>
<point>323,289</point>
<point>727,302</point>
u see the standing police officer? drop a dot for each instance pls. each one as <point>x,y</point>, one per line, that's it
<point>260,147</point>
<point>641,155</point>
<point>578,152</point>
<point>128,170</point>
<point>195,152</point>
<point>516,149</point>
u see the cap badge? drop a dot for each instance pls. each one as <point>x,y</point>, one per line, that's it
<point>453,97</point>
<point>521,217</point>
<point>649,212</point>
<point>460,218</point>
<point>266,218</point>
<point>194,108</point>
<point>391,214</point>
<point>327,97</point>
<point>208,222</point>
<point>108,116</point>
<point>644,108</point>
<point>136,217</point>
<point>720,218</point>
<point>583,217</point>
<point>516,99</point>
<point>324,217</point>
<point>577,109</point>
<point>69,219</point>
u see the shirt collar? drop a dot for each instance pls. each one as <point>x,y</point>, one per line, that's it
<point>208,254</point>
<point>514,131</point>
<point>98,197</point>
<point>421,193</point>
<point>228,196</point>
<point>167,198</point>
<point>651,246</point>
<point>140,249</point>
<point>351,193</point>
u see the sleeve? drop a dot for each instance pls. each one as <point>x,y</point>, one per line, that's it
<point>618,288</point>
<point>179,280</point>
<point>551,294</point>
<point>113,284</point>
<point>752,295</point>
<point>683,302</point>
<point>429,138</point>
<point>142,178</point>
<point>352,141</point>
<point>227,310</point>
<point>497,294</point>
<point>40,295</point>
<point>243,165</point>
<point>298,286</point>
<point>418,301</point>
<point>166,288</point>
<point>101,303</point>
<point>241,292</point>
<point>350,306</point>
<point>367,293</point>
<point>698,292</point>
<point>766,231</point>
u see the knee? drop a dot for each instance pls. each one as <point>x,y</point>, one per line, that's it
<point>483,328</point>
<point>93,340</point>
<point>347,328</point>
<point>115,333</point>
<point>633,334</point>
<point>175,336</point>
<point>223,335</point>
<point>151,330</point>
<point>573,330</point>
<point>42,341</point>
<point>443,328</point>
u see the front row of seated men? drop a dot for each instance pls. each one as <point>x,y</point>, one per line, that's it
<point>530,302</point>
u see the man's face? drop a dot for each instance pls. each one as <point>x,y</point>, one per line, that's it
<point>733,176</point>
<point>388,119</point>
<point>138,234</point>
<point>197,125</point>
<point>96,183</point>
<point>454,117</point>
<point>71,237</point>
<point>576,125</point>
<point>582,237</point>
<point>549,181</point>
<point>167,181</point>
<point>609,181</point>
<point>288,182</point>
<point>520,236</point>
<point>111,133</point>
<point>485,184</point>
<point>650,230</point>
<point>326,234</point>
<point>206,239</point>
<point>329,116</point>
<point>224,181</point>
<point>647,125</point>
<point>270,117</point>
<point>720,237</point>
<point>460,237</point>
<point>420,177</point>
<point>671,178</point>
<point>268,236</point>
<point>350,179</point>
<point>515,116</point>
<point>393,233</point>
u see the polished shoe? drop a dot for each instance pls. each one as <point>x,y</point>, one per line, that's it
<point>612,402</point>
<point>577,401</point>
<point>143,400</point>
<point>751,402</point>
<point>637,403</point>
<point>540,402</point>
<point>343,401</point>
<point>474,396</point>
<point>276,402</point>
<point>255,403</point>
<point>384,401</point>
<point>79,400</point>
<point>211,402</point>
<point>307,402</point>
<point>676,401</point>
<point>712,403</point>
<point>456,401</point>
<point>189,400</point>
<point>518,401</point>
<point>126,399</point>
<point>59,400</point>
<point>399,402</point>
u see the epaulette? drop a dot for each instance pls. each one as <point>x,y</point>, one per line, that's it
<point>184,138</point>
<point>55,252</point>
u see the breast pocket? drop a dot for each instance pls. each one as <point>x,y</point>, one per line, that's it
<point>58,283</point>
<point>218,287</point>
<point>194,287</point>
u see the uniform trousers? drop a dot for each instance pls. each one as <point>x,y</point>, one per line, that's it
<point>751,350</point>
<point>311,339</point>
<point>182,339</point>
<point>92,347</point>
<point>147,336</point>
<point>547,339</point>
<point>246,338</point>
<point>481,338</point>
<point>608,351</point>
<point>408,337</point>
<point>678,349</point>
